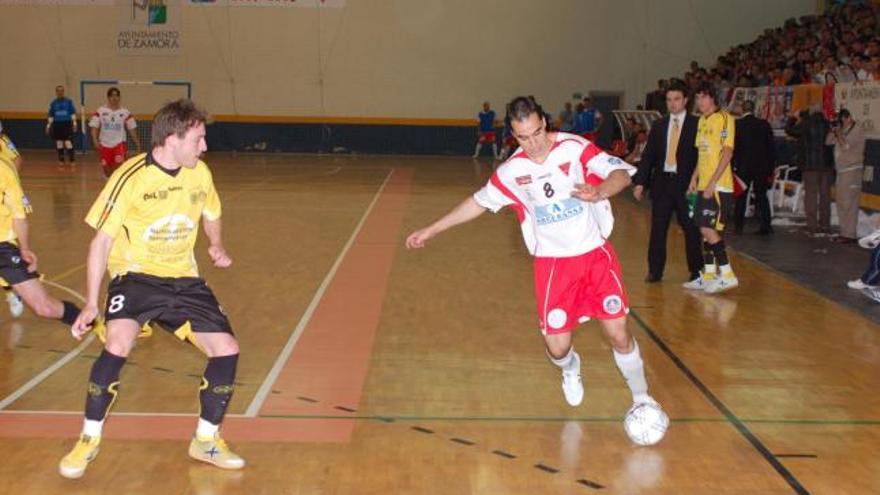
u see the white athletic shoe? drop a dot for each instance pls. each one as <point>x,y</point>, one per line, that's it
<point>16,307</point>
<point>857,284</point>
<point>872,293</point>
<point>699,283</point>
<point>722,283</point>
<point>871,240</point>
<point>572,386</point>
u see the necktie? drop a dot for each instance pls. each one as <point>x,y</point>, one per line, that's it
<point>673,146</point>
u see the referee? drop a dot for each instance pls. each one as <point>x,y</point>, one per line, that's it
<point>61,125</point>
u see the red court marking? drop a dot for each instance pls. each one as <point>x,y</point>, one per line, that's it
<point>331,358</point>
<point>29,425</point>
<point>329,362</point>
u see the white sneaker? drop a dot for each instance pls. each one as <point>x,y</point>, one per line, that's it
<point>872,293</point>
<point>699,283</point>
<point>572,386</point>
<point>857,284</point>
<point>16,307</point>
<point>722,283</point>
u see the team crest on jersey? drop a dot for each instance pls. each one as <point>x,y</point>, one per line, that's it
<point>612,304</point>
<point>16,260</point>
<point>615,161</point>
<point>557,318</point>
<point>565,167</point>
<point>523,180</point>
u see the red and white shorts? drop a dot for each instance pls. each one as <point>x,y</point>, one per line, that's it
<point>572,290</point>
<point>111,158</point>
<point>487,137</point>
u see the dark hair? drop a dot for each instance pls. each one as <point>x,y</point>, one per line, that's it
<point>843,113</point>
<point>176,118</point>
<point>706,88</point>
<point>748,106</point>
<point>679,86</point>
<point>521,107</point>
<point>113,89</point>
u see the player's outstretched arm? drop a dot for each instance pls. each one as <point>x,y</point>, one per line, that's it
<point>216,250</point>
<point>616,182</point>
<point>99,252</point>
<point>464,212</point>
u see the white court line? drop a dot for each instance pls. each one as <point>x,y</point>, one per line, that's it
<point>46,373</point>
<point>266,387</point>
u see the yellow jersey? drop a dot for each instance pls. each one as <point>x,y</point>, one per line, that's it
<point>15,204</point>
<point>7,149</point>
<point>714,132</point>
<point>153,216</point>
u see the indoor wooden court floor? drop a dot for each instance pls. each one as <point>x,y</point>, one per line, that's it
<point>370,369</point>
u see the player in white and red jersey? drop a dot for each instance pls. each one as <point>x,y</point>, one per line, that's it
<point>109,125</point>
<point>559,184</point>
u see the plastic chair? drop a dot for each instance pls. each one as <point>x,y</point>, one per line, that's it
<point>782,182</point>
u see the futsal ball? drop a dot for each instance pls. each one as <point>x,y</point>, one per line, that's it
<point>646,423</point>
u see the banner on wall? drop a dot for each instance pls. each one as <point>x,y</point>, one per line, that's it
<point>777,103</point>
<point>149,27</point>
<point>329,4</point>
<point>65,3</point>
<point>862,99</point>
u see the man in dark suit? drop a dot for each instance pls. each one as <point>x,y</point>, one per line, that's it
<point>754,157</point>
<point>667,166</point>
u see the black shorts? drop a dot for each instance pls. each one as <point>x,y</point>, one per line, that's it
<point>13,269</point>
<point>62,131</point>
<point>715,212</point>
<point>169,302</point>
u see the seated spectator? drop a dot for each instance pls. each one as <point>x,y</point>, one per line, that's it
<point>635,154</point>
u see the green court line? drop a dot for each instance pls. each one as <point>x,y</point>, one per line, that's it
<point>582,419</point>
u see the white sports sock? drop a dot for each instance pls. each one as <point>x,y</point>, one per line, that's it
<point>632,368</point>
<point>726,270</point>
<point>206,429</point>
<point>477,149</point>
<point>710,270</point>
<point>92,428</point>
<point>569,362</point>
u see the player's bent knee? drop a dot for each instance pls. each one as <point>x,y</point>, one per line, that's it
<point>558,345</point>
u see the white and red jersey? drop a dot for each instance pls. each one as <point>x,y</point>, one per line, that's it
<point>553,223</point>
<point>112,125</point>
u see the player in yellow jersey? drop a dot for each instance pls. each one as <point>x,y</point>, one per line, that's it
<point>713,183</point>
<point>11,154</point>
<point>147,219</point>
<point>18,264</point>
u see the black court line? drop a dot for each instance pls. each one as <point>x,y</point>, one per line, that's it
<point>423,430</point>
<point>307,399</point>
<point>546,469</point>
<point>590,484</point>
<point>462,441</point>
<point>735,421</point>
<point>506,455</point>
<point>346,409</point>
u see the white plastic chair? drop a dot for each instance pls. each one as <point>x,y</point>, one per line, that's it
<point>782,182</point>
